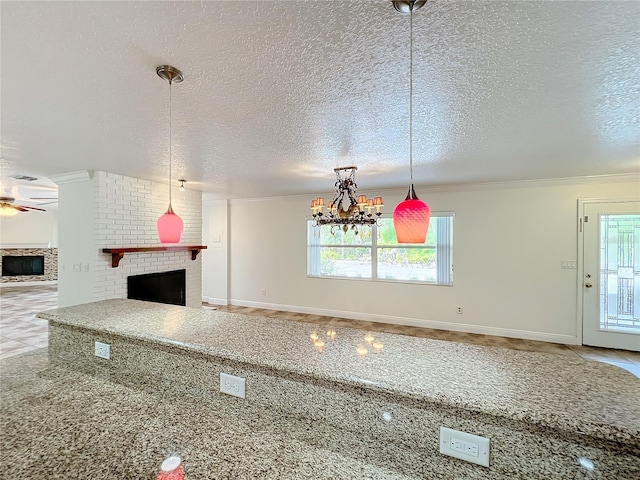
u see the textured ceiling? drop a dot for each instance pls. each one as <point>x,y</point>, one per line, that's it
<point>278,93</point>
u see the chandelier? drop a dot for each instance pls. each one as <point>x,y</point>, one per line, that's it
<point>359,212</point>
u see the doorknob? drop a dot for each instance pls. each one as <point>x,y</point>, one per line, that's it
<point>588,285</point>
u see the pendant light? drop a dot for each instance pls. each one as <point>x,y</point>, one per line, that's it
<point>411,217</point>
<point>170,225</point>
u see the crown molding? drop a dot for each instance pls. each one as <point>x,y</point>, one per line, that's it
<point>461,187</point>
<point>70,177</point>
<point>541,182</point>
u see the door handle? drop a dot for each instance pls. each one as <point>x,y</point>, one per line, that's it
<point>588,285</point>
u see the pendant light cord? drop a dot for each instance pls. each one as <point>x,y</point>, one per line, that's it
<point>170,142</point>
<point>411,94</point>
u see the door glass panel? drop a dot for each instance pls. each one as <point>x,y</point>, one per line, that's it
<point>620,272</point>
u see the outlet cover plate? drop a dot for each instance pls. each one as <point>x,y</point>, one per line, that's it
<point>465,446</point>
<point>231,385</point>
<point>102,350</point>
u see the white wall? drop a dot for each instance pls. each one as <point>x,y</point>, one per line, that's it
<point>30,230</point>
<point>215,260</point>
<point>77,251</point>
<point>110,211</point>
<point>509,241</point>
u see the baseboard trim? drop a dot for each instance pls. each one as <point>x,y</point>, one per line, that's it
<point>215,301</point>
<point>415,322</point>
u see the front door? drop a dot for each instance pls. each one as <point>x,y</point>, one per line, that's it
<point>611,283</point>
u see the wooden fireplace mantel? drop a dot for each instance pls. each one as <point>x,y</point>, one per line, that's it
<point>118,253</point>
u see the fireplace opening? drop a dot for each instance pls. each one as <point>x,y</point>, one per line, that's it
<point>163,287</point>
<point>22,265</point>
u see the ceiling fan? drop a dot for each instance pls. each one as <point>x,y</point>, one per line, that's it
<point>8,209</point>
<point>40,200</point>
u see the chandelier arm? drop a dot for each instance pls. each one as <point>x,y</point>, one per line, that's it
<point>339,198</point>
<point>351,186</point>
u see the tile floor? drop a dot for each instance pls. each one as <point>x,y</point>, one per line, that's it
<point>21,331</point>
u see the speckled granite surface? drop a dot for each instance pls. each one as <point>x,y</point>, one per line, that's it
<point>308,414</point>
<point>570,395</point>
<point>390,419</point>
<point>57,423</point>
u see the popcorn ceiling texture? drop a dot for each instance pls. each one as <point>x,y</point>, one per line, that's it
<point>277,93</point>
<point>522,398</point>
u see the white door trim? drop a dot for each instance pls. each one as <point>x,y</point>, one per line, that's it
<point>580,278</point>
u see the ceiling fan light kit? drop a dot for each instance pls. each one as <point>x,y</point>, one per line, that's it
<point>411,217</point>
<point>8,209</point>
<point>170,226</point>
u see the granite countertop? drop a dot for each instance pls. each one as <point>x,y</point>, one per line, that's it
<point>57,423</point>
<point>565,393</point>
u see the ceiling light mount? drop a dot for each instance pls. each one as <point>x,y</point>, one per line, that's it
<point>170,74</point>
<point>407,6</point>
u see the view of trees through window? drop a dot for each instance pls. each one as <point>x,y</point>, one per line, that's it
<point>373,253</point>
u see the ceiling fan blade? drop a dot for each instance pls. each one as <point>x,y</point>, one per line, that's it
<point>30,208</point>
<point>43,198</point>
<point>19,208</point>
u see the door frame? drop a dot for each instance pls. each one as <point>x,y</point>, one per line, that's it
<point>580,263</point>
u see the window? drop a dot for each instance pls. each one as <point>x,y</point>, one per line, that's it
<point>375,254</point>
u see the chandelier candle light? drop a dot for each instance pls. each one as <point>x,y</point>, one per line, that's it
<point>411,217</point>
<point>170,225</point>
<point>360,210</point>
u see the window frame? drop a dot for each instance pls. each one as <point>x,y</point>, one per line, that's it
<point>443,248</point>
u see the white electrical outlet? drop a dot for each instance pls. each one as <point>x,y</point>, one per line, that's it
<point>464,446</point>
<point>102,350</point>
<point>459,309</point>
<point>231,385</point>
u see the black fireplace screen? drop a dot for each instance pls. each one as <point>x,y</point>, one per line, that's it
<point>22,265</point>
<point>163,287</point>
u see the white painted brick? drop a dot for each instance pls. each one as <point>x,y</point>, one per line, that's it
<point>127,211</point>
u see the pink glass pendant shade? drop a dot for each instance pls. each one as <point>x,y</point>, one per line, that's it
<point>411,219</point>
<point>170,227</point>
